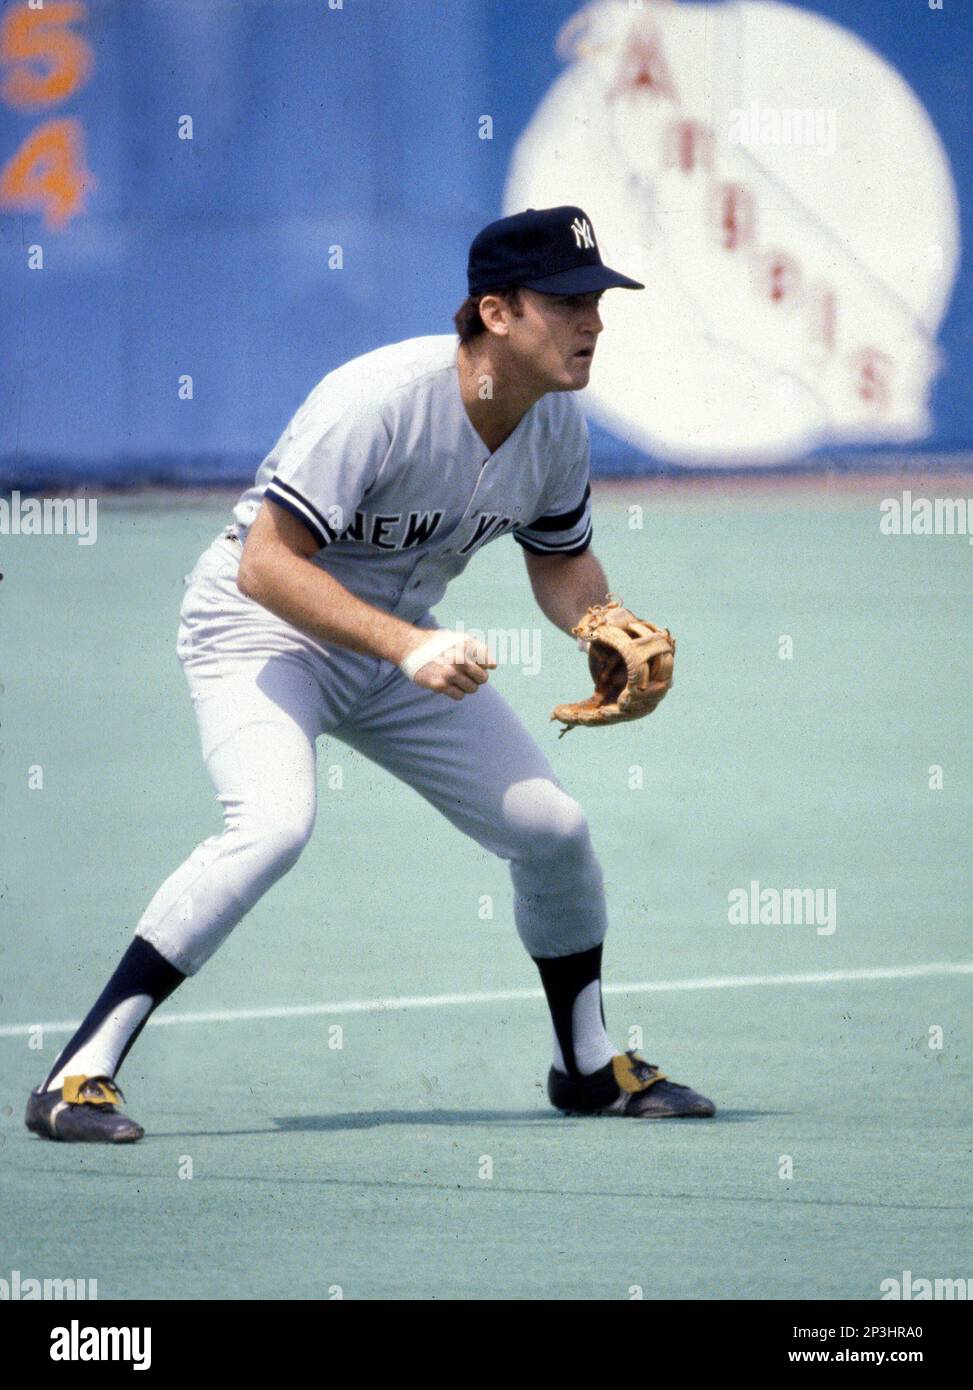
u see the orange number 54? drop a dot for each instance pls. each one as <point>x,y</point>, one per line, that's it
<point>46,63</point>
<point>48,173</point>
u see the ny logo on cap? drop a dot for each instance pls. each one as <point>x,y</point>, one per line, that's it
<point>583,235</point>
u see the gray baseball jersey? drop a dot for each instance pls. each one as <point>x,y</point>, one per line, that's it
<point>383,466</point>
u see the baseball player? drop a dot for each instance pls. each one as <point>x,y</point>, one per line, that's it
<point>311,615</point>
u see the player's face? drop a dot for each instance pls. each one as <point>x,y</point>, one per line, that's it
<point>556,335</point>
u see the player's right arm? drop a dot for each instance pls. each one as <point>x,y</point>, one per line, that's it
<point>276,572</point>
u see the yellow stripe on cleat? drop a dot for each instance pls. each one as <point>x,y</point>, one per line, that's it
<point>623,1067</point>
<point>82,1090</point>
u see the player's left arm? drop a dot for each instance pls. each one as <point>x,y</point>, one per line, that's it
<point>565,587</point>
<point>565,574</point>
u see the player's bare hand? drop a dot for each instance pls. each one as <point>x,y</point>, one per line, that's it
<point>458,672</point>
<point>449,663</point>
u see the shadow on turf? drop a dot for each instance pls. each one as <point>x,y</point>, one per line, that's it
<point>375,1119</point>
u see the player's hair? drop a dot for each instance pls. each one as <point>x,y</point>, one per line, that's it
<point>467,317</point>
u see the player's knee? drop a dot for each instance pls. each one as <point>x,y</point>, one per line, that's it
<point>277,835</point>
<point>287,841</point>
<point>550,823</point>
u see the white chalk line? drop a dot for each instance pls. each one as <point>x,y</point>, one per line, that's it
<point>512,996</point>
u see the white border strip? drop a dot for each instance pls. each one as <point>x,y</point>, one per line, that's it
<point>510,996</point>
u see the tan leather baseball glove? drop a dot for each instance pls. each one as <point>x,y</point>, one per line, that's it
<point>631,665</point>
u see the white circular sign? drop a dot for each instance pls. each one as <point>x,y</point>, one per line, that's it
<point>787,201</point>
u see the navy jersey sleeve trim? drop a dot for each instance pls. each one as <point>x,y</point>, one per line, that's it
<point>291,500</point>
<point>575,548</point>
<point>562,521</point>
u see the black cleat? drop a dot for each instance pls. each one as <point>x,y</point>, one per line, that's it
<point>84,1111</point>
<point>628,1085</point>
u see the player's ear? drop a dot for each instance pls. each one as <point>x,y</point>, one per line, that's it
<point>494,311</point>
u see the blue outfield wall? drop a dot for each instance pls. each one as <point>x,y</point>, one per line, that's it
<point>313,128</point>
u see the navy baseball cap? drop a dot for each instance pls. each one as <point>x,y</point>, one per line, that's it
<point>551,250</point>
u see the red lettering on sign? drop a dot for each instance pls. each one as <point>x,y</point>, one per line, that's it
<point>737,215</point>
<point>824,317</point>
<point>873,369</point>
<point>686,144</point>
<point>644,69</point>
<point>783,276</point>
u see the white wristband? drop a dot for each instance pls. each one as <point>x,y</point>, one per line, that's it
<point>441,640</point>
